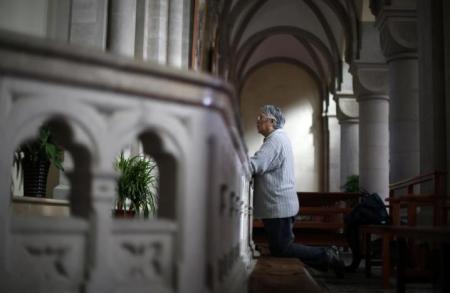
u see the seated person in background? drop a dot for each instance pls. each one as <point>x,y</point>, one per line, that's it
<point>275,197</point>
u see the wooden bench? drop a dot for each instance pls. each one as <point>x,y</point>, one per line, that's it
<point>408,202</point>
<point>321,218</point>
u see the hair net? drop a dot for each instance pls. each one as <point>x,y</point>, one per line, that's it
<point>275,114</point>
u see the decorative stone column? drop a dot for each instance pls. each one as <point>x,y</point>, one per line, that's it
<point>175,36</point>
<point>88,23</point>
<point>370,81</point>
<point>122,36</point>
<point>122,27</point>
<point>347,111</point>
<point>333,160</point>
<point>103,187</point>
<point>398,28</point>
<point>62,190</point>
<point>187,32</point>
<point>152,18</point>
<point>163,31</point>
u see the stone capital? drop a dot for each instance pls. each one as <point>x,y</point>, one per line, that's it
<point>377,6</point>
<point>397,23</point>
<point>347,108</point>
<point>370,80</point>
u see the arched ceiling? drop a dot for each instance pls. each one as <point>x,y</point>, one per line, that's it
<point>318,35</point>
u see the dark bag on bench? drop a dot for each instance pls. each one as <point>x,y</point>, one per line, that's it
<point>370,211</point>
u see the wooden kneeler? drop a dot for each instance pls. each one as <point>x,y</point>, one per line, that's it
<point>275,275</point>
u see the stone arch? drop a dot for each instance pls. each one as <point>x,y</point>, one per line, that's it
<point>164,139</point>
<point>21,124</point>
<point>330,35</point>
<point>27,114</point>
<point>350,27</point>
<point>20,127</point>
<point>353,52</point>
<point>311,52</point>
<point>285,60</point>
<point>346,16</point>
<point>303,108</point>
<point>251,44</point>
<point>225,34</point>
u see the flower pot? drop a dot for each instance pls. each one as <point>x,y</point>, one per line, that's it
<point>35,177</point>
<point>124,214</point>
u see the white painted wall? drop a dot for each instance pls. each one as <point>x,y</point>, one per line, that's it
<point>291,89</point>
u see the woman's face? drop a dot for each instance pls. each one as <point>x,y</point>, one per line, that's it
<point>264,124</point>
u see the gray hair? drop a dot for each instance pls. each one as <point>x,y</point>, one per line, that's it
<point>275,114</point>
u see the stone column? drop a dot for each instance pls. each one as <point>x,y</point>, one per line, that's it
<point>446,41</point>
<point>334,138</point>
<point>122,37</point>
<point>370,81</point>
<point>347,110</point>
<point>398,36</point>
<point>122,27</point>
<point>88,27</point>
<point>175,33</point>
<point>88,23</point>
<point>432,86</point>
<point>62,190</point>
<point>187,31</point>
<point>151,30</point>
<point>103,187</point>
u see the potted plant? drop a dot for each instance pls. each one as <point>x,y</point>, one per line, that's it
<point>352,184</point>
<point>34,158</point>
<point>136,186</point>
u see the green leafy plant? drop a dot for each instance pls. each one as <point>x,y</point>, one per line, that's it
<point>137,183</point>
<point>44,148</point>
<point>33,159</point>
<point>352,184</point>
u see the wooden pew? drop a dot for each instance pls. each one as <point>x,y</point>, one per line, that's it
<point>413,198</point>
<point>438,235</point>
<point>321,218</point>
<point>410,202</point>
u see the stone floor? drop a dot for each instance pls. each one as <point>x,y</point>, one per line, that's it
<point>358,283</point>
<point>353,282</point>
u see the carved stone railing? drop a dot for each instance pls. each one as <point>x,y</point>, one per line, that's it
<point>98,103</point>
<point>25,205</point>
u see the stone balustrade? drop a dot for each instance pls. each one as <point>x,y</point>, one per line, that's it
<point>98,103</point>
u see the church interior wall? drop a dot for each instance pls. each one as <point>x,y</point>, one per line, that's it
<point>290,88</point>
<point>26,17</point>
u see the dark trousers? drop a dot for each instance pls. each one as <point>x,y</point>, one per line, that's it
<point>281,243</point>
